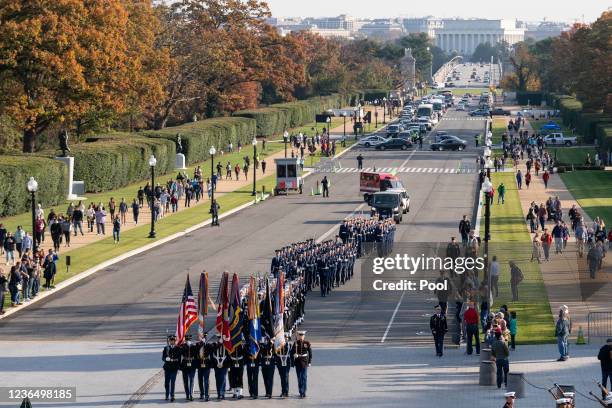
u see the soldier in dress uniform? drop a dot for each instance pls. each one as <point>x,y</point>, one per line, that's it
<point>283,364</point>
<point>236,371</point>
<point>438,326</point>
<point>189,362</point>
<point>222,362</point>
<point>322,268</point>
<point>302,358</point>
<point>206,363</point>
<point>171,356</point>
<point>266,361</point>
<point>252,369</point>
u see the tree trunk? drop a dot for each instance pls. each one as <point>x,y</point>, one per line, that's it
<point>160,121</point>
<point>29,140</point>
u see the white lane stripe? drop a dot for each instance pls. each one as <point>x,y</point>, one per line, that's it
<point>436,170</point>
<point>418,170</point>
<point>452,170</point>
<point>446,170</point>
<point>384,337</point>
<point>429,170</point>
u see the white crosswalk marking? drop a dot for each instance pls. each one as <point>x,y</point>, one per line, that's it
<point>440,170</point>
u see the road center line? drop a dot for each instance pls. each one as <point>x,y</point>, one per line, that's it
<point>384,337</point>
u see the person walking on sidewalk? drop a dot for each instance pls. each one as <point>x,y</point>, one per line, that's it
<point>100,220</point>
<point>116,228</point>
<point>360,162</point>
<point>123,209</point>
<point>214,211</point>
<point>557,234</point>
<point>581,235</point>
<point>464,229</point>
<point>563,329</point>
<point>546,243</point>
<point>542,214</point>
<point>495,276</point>
<point>536,248</point>
<point>135,211</point>
<point>519,179</point>
<point>545,178</point>
<point>501,193</point>
<point>527,179</point>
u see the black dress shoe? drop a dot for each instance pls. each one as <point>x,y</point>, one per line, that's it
<point>166,398</point>
<point>172,399</point>
<point>206,399</point>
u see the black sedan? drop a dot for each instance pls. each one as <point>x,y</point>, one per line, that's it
<point>449,144</point>
<point>500,112</point>
<point>394,144</point>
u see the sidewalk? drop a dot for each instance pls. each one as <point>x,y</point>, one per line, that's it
<point>566,276</point>
<point>339,130</point>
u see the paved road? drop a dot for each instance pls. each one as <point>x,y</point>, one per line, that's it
<point>131,305</point>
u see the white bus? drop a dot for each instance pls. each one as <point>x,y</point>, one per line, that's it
<point>425,110</point>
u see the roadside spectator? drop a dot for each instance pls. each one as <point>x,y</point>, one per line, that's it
<point>27,244</point>
<point>563,329</point>
<point>557,234</point>
<point>516,277</point>
<point>140,195</point>
<point>527,179</point>
<point>77,218</point>
<point>123,209</point>
<point>9,248</point>
<point>519,179</point>
<point>471,320</point>
<point>512,326</point>
<point>56,234</point>
<point>91,217</point>
<point>100,220</point>
<point>50,268</point>
<point>3,283</point>
<point>112,206</point>
<point>3,233</point>
<point>604,357</point>
<point>501,353</point>
<point>545,178</point>
<point>116,229</point>
<point>39,230</point>
<point>18,237</point>
<point>546,243</point>
<point>15,283</point>
<point>66,229</point>
<point>136,210</point>
<point>536,248</point>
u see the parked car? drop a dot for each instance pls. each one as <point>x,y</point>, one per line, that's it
<point>449,144</point>
<point>394,144</point>
<point>371,141</point>
<point>559,139</point>
<point>500,112</point>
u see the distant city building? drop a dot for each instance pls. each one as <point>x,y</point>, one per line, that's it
<point>342,22</point>
<point>382,29</point>
<point>426,25</point>
<point>464,35</point>
<point>545,29</point>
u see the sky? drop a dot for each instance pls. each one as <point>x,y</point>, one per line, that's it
<point>527,10</point>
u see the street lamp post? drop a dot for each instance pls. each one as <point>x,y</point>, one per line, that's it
<point>487,187</point>
<point>285,140</point>
<point>328,126</point>
<point>344,130</point>
<point>212,151</point>
<point>430,66</point>
<point>254,142</point>
<point>152,163</point>
<point>376,119</point>
<point>32,187</point>
<point>384,110</point>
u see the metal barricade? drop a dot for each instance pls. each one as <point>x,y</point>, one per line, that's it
<point>599,325</point>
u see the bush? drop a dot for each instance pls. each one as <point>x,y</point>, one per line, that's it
<point>119,159</point>
<point>198,137</point>
<point>15,171</point>
<point>275,119</point>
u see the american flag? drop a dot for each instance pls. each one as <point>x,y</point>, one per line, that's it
<point>188,313</point>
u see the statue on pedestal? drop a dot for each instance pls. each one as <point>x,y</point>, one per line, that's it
<point>179,143</point>
<point>63,142</point>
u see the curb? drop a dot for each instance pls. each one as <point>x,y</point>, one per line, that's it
<point>88,272</point>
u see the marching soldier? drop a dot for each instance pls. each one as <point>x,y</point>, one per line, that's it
<point>236,371</point>
<point>189,363</point>
<point>222,362</point>
<point>252,368</point>
<point>266,361</point>
<point>206,363</point>
<point>302,358</point>
<point>171,357</point>
<point>283,364</point>
<point>438,326</point>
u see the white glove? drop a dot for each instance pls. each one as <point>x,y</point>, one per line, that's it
<point>167,358</point>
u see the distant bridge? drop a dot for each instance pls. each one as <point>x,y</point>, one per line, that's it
<point>442,73</point>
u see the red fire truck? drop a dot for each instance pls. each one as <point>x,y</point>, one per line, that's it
<point>370,183</point>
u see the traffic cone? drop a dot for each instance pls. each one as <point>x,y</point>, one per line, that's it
<point>580,340</point>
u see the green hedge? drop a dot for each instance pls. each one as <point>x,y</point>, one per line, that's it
<point>585,123</point>
<point>15,171</point>
<point>119,159</point>
<point>198,137</point>
<point>531,98</point>
<point>274,119</point>
<point>603,132</point>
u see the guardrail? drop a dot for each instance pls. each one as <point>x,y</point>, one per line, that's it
<point>599,325</point>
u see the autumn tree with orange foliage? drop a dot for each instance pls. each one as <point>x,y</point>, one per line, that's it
<point>65,60</point>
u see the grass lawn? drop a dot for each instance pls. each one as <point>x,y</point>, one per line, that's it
<point>572,155</point>
<point>511,241</point>
<point>307,129</point>
<point>593,190</point>
<point>500,125</point>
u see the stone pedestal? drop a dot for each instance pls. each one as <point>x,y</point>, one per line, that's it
<point>516,384</point>
<point>69,162</point>
<point>180,161</point>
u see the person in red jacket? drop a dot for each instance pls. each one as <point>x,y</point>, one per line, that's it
<point>527,179</point>
<point>470,317</point>
<point>545,177</point>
